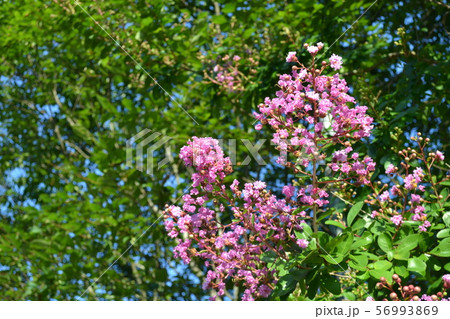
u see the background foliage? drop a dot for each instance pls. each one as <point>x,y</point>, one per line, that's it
<point>70,98</point>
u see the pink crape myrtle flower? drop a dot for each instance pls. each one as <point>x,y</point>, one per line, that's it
<point>288,191</point>
<point>385,196</point>
<point>397,220</point>
<point>313,50</point>
<point>302,243</point>
<point>446,280</point>
<point>439,156</point>
<point>336,62</point>
<point>291,57</point>
<point>390,169</point>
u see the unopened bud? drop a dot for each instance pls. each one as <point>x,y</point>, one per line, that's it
<point>393,295</point>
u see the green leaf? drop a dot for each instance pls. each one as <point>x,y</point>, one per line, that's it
<point>81,131</point>
<point>35,230</point>
<point>335,223</point>
<point>354,211</point>
<point>358,262</point>
<point>286,284</point>
<point>248,33</point>
<point>312,287</point>
<point>346,243</point>
<point>219,19</point>
<point>447,266</point>
<point>385,242</point>
<point>446,219</point>
<point>360,223</point>
<point>307,229</point>
<point>417,265</point>
<point>443,233</point>
<point>330,284</point>
<point>364,240</point>
<point>40,243</point>
<point>229,7</point>
<point>332,259</point>
<point>443,249</point>
<point>106,104</point>
<point>402,271</point>
<point>409,242</point>
<point>382,265</point>
<point>401,254</point>
<point>127,103</point>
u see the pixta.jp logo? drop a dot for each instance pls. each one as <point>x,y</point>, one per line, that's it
<point>146,144</point>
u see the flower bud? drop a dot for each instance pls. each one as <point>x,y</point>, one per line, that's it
<point>395,277</point>
<point>406,289</point>
<point>383,279</point>
<point>393,295</point>
<point>417,289</point>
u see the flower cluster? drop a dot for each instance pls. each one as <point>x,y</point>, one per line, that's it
<point>231,244</point>
<point>405,198</point>
<point>312,111</point>
<point>227,74</point>
<point>311,114</point>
